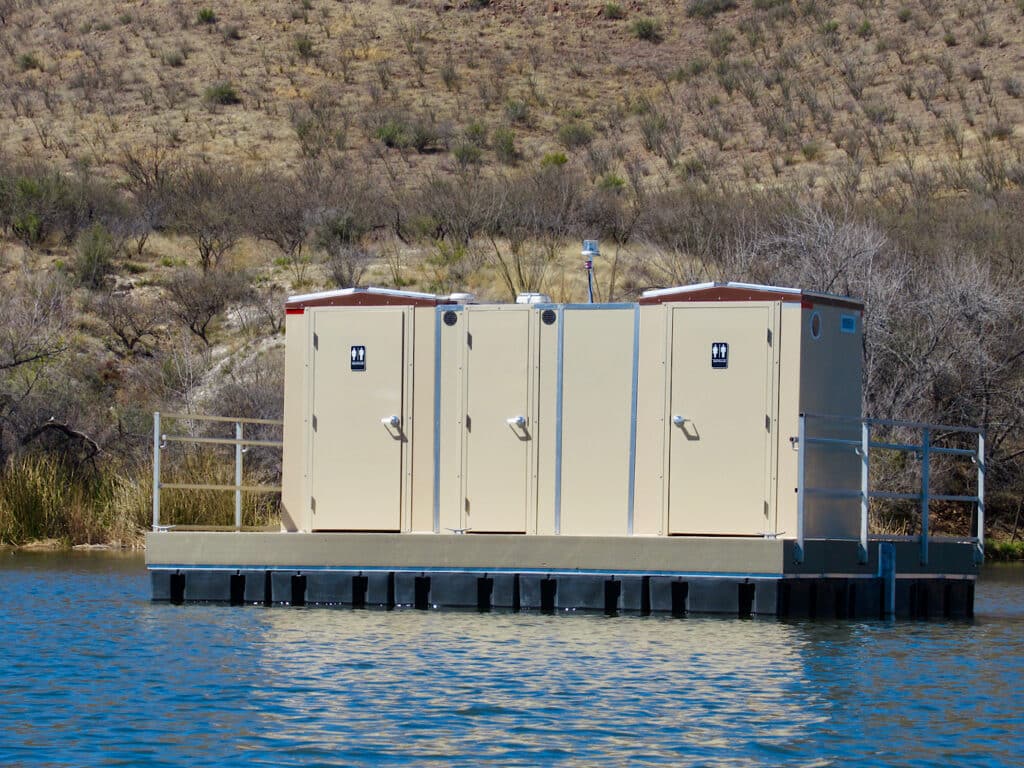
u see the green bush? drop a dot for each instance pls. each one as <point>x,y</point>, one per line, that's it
<point>613,11</point>
<point>221,94</point>
<point>206,16</point>
<point>393,133</point>
<point>467,153</point>
<point>517,111</point>
<point>647,29</point>
<point>504,141</point>
<point>29,61</point>
<point>574,135</point>
<point>35,205</point>
<point>423,135</point>
<point>94,260</point>
<point>553,160</point>
<point>1004,550</point>
<point>476,133</point>
<point>611,182</point>
<point>304,47</point>
<point>173,58</point>
<point>705,9</point>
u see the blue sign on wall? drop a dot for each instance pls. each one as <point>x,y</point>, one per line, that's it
<point>359,358</point>
<point>719,354</point>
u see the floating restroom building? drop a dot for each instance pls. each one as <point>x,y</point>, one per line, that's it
<point>434,447</point>
<point>671,416</point>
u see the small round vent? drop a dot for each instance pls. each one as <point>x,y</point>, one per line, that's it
<point>548,317</point>
<point>451,318</point>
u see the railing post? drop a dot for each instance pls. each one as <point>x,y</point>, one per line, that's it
<point>156,470</point>
<point>981,497</point>
<point>238,476</point>
<point>801,460</point>
<point>926,439</point>
<point>865,490</point>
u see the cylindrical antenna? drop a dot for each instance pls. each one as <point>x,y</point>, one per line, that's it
<point>590,250</point>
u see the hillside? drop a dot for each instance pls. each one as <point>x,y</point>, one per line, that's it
<point>704,88</point>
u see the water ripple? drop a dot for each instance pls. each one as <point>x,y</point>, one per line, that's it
<point>95,674</point>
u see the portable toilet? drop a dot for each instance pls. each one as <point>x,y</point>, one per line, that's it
<point>675,415</point>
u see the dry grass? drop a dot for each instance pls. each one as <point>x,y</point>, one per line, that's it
<point>738,92</point>
<point>40,498</point>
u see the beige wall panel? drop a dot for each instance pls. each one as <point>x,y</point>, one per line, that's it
<point>498,370</point>
<point>719,457</point>
<point>649,495</point>
<point>421,377</point>
<point>831,383</point>
<point>597,396</point>
<point>451,510</point>
<point>788,350</point>
<point>357,461</point>
<point>545,432</point>
<point>294,502</point>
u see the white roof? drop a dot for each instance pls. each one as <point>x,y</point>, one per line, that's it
<point>656,292</point>
<point>352,291</point>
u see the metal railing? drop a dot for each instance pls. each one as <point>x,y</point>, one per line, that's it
<point>161,440</point>
<point>863,446</point>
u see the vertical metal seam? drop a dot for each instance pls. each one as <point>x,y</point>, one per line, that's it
<point>558,420</point>
<point>156,470</point>
<point>437,419</point>
<point>632,420</point>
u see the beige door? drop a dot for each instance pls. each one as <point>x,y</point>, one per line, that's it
<point>719,447</point>
<point>358,419</point>
<point>596,426</point>
<point>498,426</point>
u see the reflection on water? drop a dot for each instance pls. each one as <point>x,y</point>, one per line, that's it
<point>95,674</point>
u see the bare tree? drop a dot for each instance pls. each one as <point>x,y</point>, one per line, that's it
<point>149,175</point>
<point>531,220</point>
<point>35,318</point>
<point>208,206</point>
<point>197,299</point>
<point>133,323</point>
<point>285,213</point>
<point>613,214</point>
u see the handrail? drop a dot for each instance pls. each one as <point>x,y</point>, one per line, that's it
<point>863,447</point>
<point>161,440</point>
<point>894,423</point>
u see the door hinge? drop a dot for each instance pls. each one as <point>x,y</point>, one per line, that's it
<point>314,423</point>
<point>768,423</point>
<point>312,503</point>
<point>316,341</point>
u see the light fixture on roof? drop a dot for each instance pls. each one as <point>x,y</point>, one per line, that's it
<point>590,250</point>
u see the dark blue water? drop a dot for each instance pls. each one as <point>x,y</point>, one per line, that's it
<point>92,673</point>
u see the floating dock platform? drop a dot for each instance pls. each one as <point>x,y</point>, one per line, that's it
<point>701,450</point>
<point>677,576</point>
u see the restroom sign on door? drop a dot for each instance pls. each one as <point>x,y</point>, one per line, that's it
<point>719,354</point>
<point>359,358</point>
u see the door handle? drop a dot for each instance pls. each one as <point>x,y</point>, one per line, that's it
<point>517,422</point>
<point>679,420</point>
<point>391,421</point>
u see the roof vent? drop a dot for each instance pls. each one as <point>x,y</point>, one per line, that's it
<point>533,298</point>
